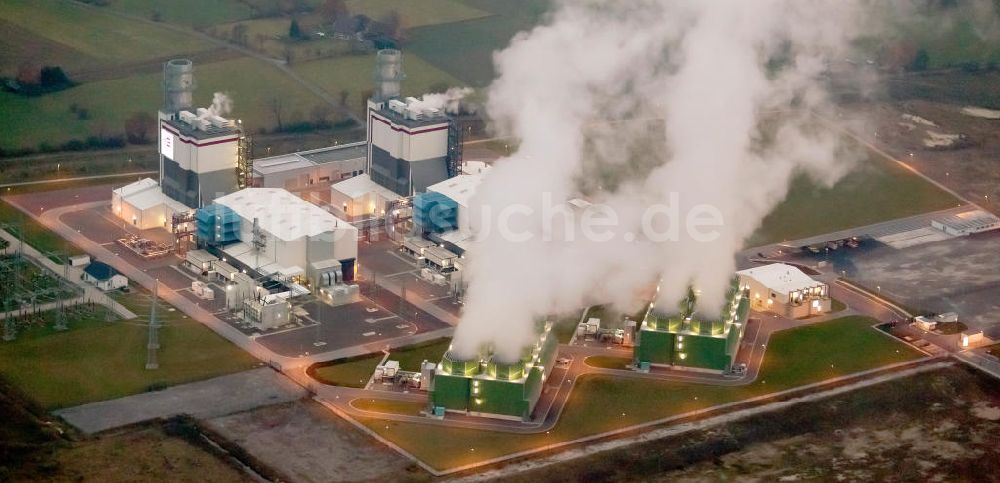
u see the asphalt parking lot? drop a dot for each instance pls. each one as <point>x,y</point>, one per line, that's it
<point>328,328</point>
<point>958,275</point>
<point>391,266</point>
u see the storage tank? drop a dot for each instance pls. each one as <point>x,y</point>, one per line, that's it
<point>178,85</point>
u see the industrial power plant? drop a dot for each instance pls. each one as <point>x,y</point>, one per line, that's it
<point>490,386</point>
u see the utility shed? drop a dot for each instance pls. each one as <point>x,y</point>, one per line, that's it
<point>104,276</point>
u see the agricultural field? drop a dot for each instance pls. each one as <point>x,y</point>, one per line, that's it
<point>471,59</point>
<point>97,360</point>
<point>190,13</point>
<point>269,36</point>
<point>794,358</point>
<point>106,38</point>
<point>875,190</point>
<point>19,45</point>
<point>252,84</point>
<point>354,75</point>
<point>419,14</point>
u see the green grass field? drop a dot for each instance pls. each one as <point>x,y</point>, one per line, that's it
<point>418,14</point>
<point>104,37</point>
<point>471,58</point>
<point>355,372</point>
<point>189,13</point>
<point>389,406</point>
<point>794,358</point>
<point>608,362</point>
<point>876,190</point>
<point>410,357</point>
<point>354,74</point>
<point>96,360</point>
<point>35,234</point>
<point>564,327</point>
<point>251,84</point>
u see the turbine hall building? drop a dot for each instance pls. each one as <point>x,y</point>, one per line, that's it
<point>486,386</point>
<point>271,232</point>
<point>683,341</point>
<point>410,146</point>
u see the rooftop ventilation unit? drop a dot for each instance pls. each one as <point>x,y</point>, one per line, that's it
<point>188,117</point>
<point>397,106</point>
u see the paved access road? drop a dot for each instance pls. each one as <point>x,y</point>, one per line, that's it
<point>204,399</point>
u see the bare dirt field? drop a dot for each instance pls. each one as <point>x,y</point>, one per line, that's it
<point>937,426</point>
<point>307,442</point>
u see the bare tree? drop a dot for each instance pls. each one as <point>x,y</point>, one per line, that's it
<point>238,34</point>
<point>276,108</point>
<point>365,95</point>
<point>139,127</point>
<point>333,9</point>
<point>320,114</point>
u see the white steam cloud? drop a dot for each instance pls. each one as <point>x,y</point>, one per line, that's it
<point>449,101</point>
<point>726,87</point>
<point>221,106</point>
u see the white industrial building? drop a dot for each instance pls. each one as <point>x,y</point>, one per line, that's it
<point>967,223</point>
<point>410,146</point>
<point>309,170</point>
<point>360,197</point>
<point>142,205</point>
<point>281,234</point>
<point>785,290</point>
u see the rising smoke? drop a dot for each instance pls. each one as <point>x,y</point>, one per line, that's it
<point>635,104</point>
<point>449,101</point>
<point>221,106</point>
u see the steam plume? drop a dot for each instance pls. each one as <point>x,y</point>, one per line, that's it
<point>449,101</point>
<point>221,106</point>
<point>640,103</point>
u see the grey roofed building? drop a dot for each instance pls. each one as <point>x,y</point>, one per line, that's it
<point>304,169</point>
<point>100,270</point>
